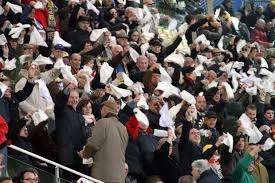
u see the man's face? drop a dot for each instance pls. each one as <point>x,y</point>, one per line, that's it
<point>240,145</point>
<point>251,166</point>
<point>269,115</point>
<point>142,64</point>
<point>76,61</point>
<point>155,79</point>
<point>194,136</point>
<point>154,105</point>
<point>122,42</point>
<point>201,103</point>
<point>57,53</point>
<point>13,43</point>
<point>83,25</point>
<point>211,122</point>
<point>156,49</point>
<point>251,114</point>
<point>73,99</point>
<point>30,177</point>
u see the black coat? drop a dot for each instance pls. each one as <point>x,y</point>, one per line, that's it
<point>70,131</point>
<point>208,176</point>
<point>76,39</point>
<point>147,144</point>
<point>168,166</point>
<point>189,151</point>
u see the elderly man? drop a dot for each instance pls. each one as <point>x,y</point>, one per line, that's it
<point>202,172</point>
<point>70,128</point>
<point>138,72</point>
<point>259,34</point>
<point>107,145</point>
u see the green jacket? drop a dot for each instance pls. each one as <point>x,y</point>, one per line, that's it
<point>240,173</point>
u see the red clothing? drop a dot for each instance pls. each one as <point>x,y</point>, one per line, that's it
<point>258,35</point>
<point>42,16</point>
<point>133,128</point>
<point>3,130</point>
<point>26,1</point>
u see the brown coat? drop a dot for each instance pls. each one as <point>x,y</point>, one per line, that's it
<point>107,146</point>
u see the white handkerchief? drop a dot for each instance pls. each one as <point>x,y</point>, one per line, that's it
<point>175,110</point>
<point>67,74</point>
<point>168,89</point>
<point>134,54</point>
<point>39,117</point>
<point>96,33</point>
<point>59,64</point>
<point>1,10</point>
<point>10,64</point>
<point>228,141</point>
<point>119,92</point>
<point>263,63</point>
<point>188,97</point>
<point>160,133</point>
<point>36,38</point>
<point>165,119</point>
<point>251,90</point>
<point>3,40</point>
<point>14,7</point>
<point>220,44</point>
<point>141,117</point>
<point>235,21</point>
<point>39,5</point>
<point>83,180</point>
<point>126,80</point>
<point>269,143</point>
<point>90,6</point>
<point>202,39</point>
<point>229,90</point>
<point>87,161</point>
<point>58,40</point>
<point>164,76</point>
<point>142,103</point>
<point>106,72</point>
<point>3,88</point>
<point>253,132</point>
<point>217,13</point>
<point>241,43</point>
<point>41,60</point>
<point>175,58</point>
<point>137,88</point>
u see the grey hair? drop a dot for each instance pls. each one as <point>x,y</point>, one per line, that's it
<point>260,22</point>
<point>150,55</point>
<point>201,164</point>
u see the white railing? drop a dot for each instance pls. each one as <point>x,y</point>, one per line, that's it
<point>57,166</point>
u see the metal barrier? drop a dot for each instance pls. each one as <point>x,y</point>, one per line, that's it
<point>56,165</point>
